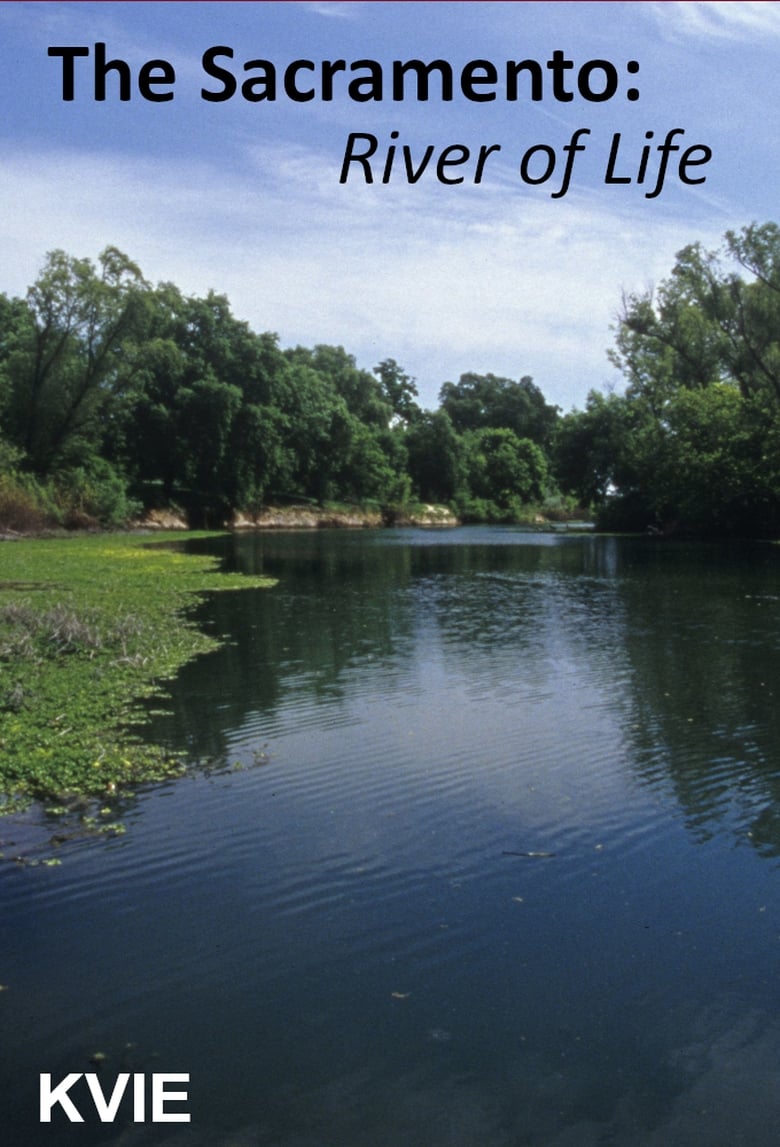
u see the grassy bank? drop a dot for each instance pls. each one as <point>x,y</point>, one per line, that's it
<point>88,625</point>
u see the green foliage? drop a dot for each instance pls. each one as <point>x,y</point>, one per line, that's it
<point>707,323</point>
<point>67,354</point>
<point>84,497</point>
<point>503,468</point>
<point>358,389</point>
<point>480,401</point>
<point>372,466</point>
<point>692,443</point>
<point>200,425</point>
<point>701,468</point>
<point>591,447</point>
<point>88,625</point>
<point>115,394</point>
<point>435,457</point>
<point>21,508</point>
<point>399,390</point>
<point>94,495</point>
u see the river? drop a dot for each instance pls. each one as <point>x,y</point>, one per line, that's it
<point>482,852</point>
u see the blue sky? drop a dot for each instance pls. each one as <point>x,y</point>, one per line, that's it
<point>245,197</point>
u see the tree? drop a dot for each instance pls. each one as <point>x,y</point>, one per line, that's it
<point>201,424</point>
<point>707,324</point>
<point>503,468</point>
<point>109,387</point>
<point>372,466</point>
<point>358,388</point>
<point>399,390</point>
<point>707,471</point>
<point>435,457</point>
<point>592,450</point>
<point>701,356</point>
<point>479,401</point>
<point>70,354</point>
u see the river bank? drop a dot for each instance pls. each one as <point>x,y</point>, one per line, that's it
<point>311,517</point>
<point>89,625</point>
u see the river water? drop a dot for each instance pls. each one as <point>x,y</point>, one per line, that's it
<point>483,852</point>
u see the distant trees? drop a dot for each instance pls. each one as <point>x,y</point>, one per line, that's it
<point>436,457</point>
<point>340,429</point>
<point>127,394</point>
<point>503,430</point>
<point>399,391</point>
<point>116,394</point>
<point>478,401</point>
<point>504,471</point>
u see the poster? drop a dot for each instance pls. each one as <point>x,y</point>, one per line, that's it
<point>456,187</point>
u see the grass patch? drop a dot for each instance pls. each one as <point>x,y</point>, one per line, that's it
<point>88,626</point>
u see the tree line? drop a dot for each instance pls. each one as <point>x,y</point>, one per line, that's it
<point>117,396</point>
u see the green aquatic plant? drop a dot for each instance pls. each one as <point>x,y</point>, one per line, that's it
<point>89,626</point>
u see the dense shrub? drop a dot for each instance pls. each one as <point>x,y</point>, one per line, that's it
<point>21,508</point>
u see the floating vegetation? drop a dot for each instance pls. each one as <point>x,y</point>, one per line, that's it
<point>78,654</point>
<point>36,861</point>
<point>439,1035</point>
<point>530,855</point>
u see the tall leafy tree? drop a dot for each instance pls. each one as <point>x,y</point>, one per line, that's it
<point>691,442</point>
<point>201,425</point>
<point>72,354</point>
<point>708,322</point>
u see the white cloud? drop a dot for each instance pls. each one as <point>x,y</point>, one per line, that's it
<point>720,19</point>
<point>334,10</point>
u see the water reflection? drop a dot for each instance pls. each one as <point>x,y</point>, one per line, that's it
<point>702,635</point>
<point>679,641</point>
<point>720,1089</point>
